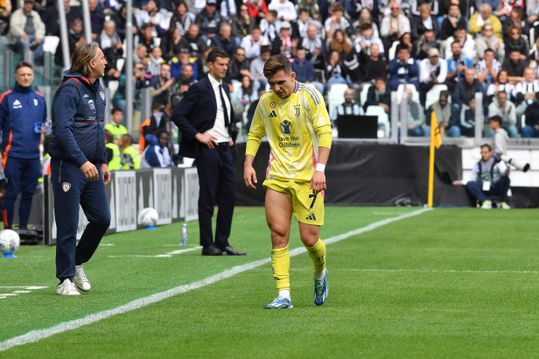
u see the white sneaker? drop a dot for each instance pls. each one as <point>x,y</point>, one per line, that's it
<point>504,205</point>
<point>67,288</point>
<point>80,279</point>
<point>486,204</point>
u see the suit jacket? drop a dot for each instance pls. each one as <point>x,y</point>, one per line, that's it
<point>196,113</point>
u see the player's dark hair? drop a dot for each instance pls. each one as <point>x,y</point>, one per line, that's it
<point>277,63</point>
<point>23,64</point>
<point>215,53</point>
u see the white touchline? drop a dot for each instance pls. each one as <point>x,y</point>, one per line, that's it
<point>166,255</point>
<point>36,335</point>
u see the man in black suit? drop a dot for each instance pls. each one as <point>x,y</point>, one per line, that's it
<point>206,120</point>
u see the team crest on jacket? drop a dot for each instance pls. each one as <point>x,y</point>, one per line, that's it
<point>297,108</point>
<point>285,127</point>
<point>66,186</point>
<point>35,102</point>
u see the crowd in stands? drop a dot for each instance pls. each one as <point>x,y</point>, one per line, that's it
<point>456,47</point>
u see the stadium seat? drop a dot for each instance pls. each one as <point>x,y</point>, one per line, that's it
<point>120,64</point>
<point>391,52</point>
<point>383,119</point>
<point>434,94</point>
<point>400,91</point>
<point>50,43</point>
<point>335,97</point>
<point>113,87</point>
<point>364,92</point>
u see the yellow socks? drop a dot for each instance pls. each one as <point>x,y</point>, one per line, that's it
<point>318,255</point>
<point>280,261</point>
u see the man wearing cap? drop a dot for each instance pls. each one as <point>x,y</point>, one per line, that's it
<point>432,71</point>
<point>208,19</point>
<point>27,30</point>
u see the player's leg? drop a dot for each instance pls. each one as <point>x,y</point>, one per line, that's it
<point>32,171</point>
<point>278,215</point>
<point>13,171</point>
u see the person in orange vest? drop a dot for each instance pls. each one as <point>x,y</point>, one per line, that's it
<point>148,129</point>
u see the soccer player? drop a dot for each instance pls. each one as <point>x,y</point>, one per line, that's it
<point>296,123</point>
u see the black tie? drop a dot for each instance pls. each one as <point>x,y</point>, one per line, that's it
<point>227,121</point>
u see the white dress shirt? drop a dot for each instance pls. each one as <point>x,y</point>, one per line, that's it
<point>219,129</point>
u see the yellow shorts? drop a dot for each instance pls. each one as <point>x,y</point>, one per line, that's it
<point>307,206</point>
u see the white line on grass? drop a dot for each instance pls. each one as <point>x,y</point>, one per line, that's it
<point>166,255</point>
<point>473,271</point>
<point>36,335</point>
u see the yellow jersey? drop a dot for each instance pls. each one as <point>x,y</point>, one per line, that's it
<point>295,127</point>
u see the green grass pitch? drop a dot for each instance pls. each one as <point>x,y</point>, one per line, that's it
<point>448,283</point>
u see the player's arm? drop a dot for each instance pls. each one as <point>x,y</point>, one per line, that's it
<point>256,133</point>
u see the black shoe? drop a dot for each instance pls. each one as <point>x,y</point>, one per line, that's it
<point>526,167</point>
<point>211,251</point>
<point>229,250</point>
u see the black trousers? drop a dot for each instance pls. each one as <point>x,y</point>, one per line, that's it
<point>216,178</point>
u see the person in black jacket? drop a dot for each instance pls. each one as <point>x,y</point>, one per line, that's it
<point>206,120</point>
<point>79,168</point>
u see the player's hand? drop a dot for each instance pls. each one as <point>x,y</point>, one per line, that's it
<point>106,173</point>
<point>206,139</point>
<point>249,176</point>
<point>90,171</point>
<point>318,182</point>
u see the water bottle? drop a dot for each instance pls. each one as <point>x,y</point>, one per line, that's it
<point>183,241</point>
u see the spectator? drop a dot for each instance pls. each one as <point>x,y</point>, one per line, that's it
<point>269,26</point>
<point>467,44</point>
<point>187,78</point>
<point>415,118</point>
<point>313,44</point>
<point>485,16</point>
<point>120,18</point>
<point>141,52</point>
<point>394,25</point>
<point>157,154</point>
<point>286,11</point>
<point>257,66</point>
<point>406,40</point>
<point>51,18</point>
<point>311,6</point>
<point>228,9</point>
<point>456,64</point>
<point>242,23</point>
<point>373,63</point>
<point>427,42</point>
<point>531,128</point>
<point>467,118</point>
<point>182,18</point>
<point>257,9</point>
<point>524,92</point>
<point>5,14</point>
<point>442,109</point>
<point>208,19</point>
<point>487,40</point>
<point>284,44</point>
<point>149,129</point>
<point>336,21</point>
<point>516,19</point>
<point>244,96</point>
<point>341,43</point>
<point>465,91</point>
<point>253,42</point>
<point>304,69</point>
<point>239,66</point>
<point>515,66</point>
<point>27,30</point>
<point>453,21</point>
<point>379,95</point>
<point>130,156</point>
<point>424,22</point>
<point>225,40</point>
<point>334,70</point>
<point>488,178</point>
<point>171,44</point>
<point>109,37</point>
<point>141,82</point>
<point>516,42</point>
<point>432,71</point>
<point>415,7</point>
<point>116,129</point>
<point>299,27</point>
<point>488,68</point>
<point>150,14</point>
<point>97,18</point>
<point>367,38</point>
<point>154,61</point>
<point>112,151</point>
<point>502,84</point>
<point>350,106</point>
<point>501,106</point>
<point>194,41</point>
<point>22,115</point>
<point>403,70</point>
<point>162,84</point>
<point>146,37</point>
<point>177,64</point>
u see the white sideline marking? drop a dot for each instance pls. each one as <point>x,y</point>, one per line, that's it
<point>38,334</point>
<point>20,289</point>
<point>166,255</point>
<point>478,271</point>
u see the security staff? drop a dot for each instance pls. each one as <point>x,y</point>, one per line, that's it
<point>79,166</point>
<point>116,127</point>
<point>114,160</point>
<point>22,114</point>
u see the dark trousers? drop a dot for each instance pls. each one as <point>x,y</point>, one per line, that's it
<point>216,178</point>
<point>70,189</point>
<point>22,175</point>
<point>498,188</point>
